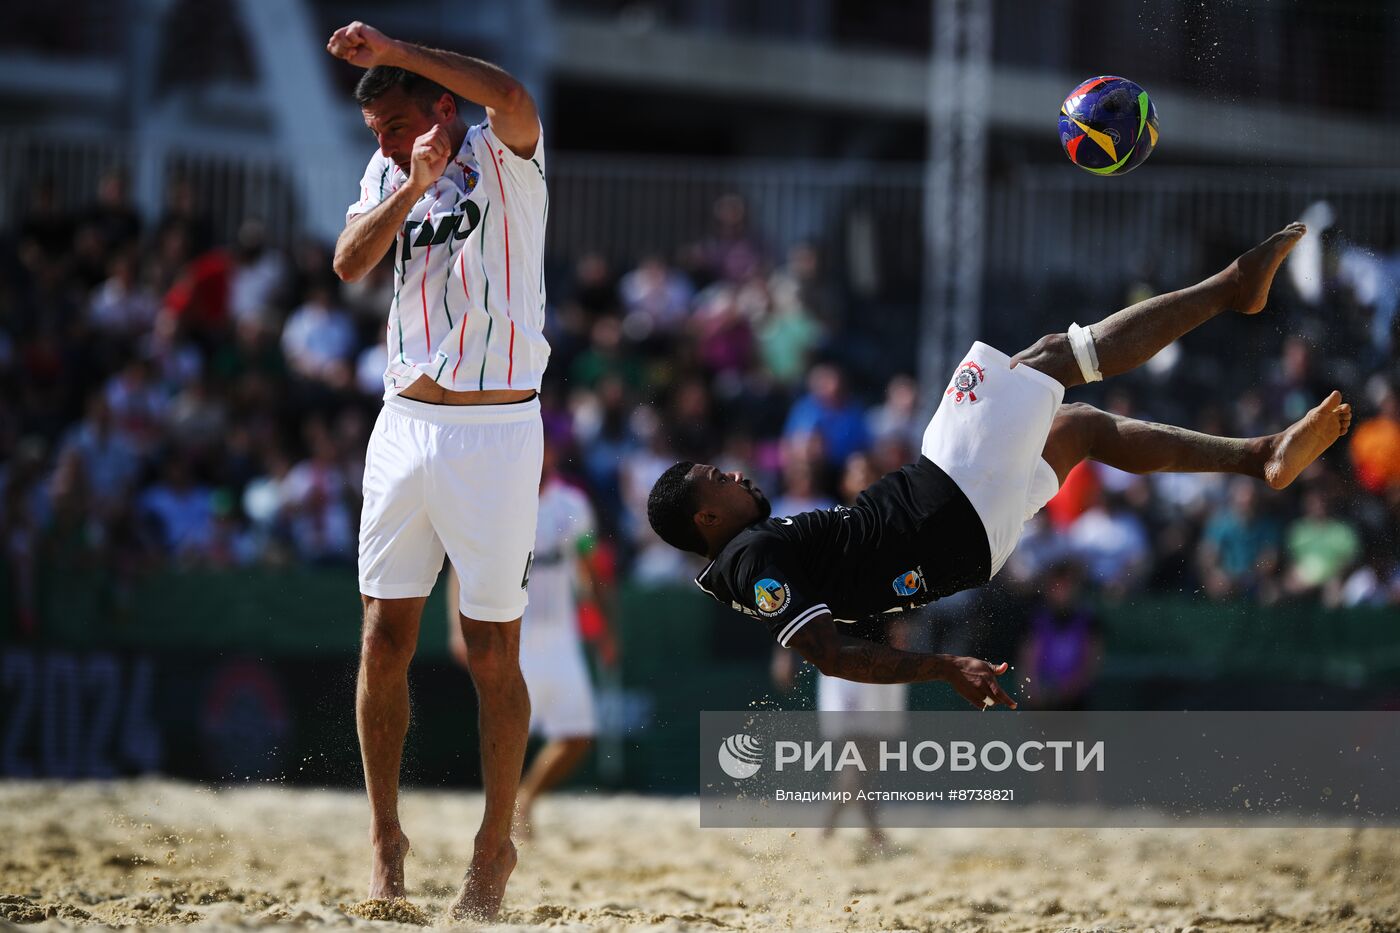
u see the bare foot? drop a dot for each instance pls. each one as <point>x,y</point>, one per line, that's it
<point>1303,442</point>
<point>1254,271</point>
<point>484,887</point>
<point>386,868</point>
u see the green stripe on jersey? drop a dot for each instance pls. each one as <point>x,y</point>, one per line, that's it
<point>485,299</point>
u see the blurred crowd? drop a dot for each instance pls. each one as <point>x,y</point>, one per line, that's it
<point>173,400</point>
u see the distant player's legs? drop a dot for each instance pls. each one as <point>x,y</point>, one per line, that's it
<point>558,759</point>
<point>387,643</point>
<point>493,658</point>
<point>1082,432</point>
<point>1128,338</point>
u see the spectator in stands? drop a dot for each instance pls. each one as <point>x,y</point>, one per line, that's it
<point>655,298</point>
<point>1239,552</point>
<point>802,284</point>
<point>1112,543</point>
<point>257,277</point>
<point>113,215</point>
<point>801,489</point>
<point>731,253</point>
<point>318,340</point>
<point>900,415</point>
<point>1375,445</point>
<point>1294,388</point>
<point>122,306</point>
<point>1063,647</point>
<point>722,332</point>
<point>827,411</point>
<point>1078,493</point>
<point>108,461</point>
<point>179,513</point>
<point>1322,548</point>
<point>137,405</point>
<point>787,335</point>
<point>316,499</point>
<point>607,357</point>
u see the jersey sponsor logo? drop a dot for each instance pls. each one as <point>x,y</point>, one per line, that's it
<point>910,582</point>
<point>783,521</point>
<point>456,226</point>
<point>966,381</point>
<point>770,596</point>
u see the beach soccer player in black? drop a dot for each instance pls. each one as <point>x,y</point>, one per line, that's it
<point>996,451</point>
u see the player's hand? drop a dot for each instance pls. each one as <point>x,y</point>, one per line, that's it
<point>361,45</point>
<point>429,158</point>
<point>976,682</point>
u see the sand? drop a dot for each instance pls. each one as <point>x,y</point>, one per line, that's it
<point>160,853</point>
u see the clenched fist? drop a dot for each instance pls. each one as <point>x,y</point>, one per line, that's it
<point>429,159</point>
<point>361,45</point>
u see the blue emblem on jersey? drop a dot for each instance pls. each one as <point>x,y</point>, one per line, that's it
<point>770,596</point>
<point>909,583</point>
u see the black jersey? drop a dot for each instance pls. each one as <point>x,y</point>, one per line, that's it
<point>911,538</point>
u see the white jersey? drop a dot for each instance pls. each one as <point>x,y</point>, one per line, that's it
<point>468,306</point>
<point>565,519</point>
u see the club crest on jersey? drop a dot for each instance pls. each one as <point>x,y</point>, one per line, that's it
<point>910,582</point>
<point>965,383</point>
<point>770,596</point>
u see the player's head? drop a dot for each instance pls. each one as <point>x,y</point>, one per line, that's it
<point>399,106</point>
<point>698,508</point>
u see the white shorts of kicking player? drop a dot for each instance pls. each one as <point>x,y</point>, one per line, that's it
<point>460,480</point>
<point>988,435</point>
<point>561,694</point>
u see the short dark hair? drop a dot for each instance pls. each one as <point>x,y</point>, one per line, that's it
<point>671,509</point>
<point>381,79</point>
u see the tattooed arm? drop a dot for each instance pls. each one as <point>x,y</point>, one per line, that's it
<point>837,655</point>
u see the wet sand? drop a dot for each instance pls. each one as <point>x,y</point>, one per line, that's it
<point>160,853</point>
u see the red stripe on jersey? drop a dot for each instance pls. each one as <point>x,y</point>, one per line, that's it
<point>505,225</point>
<point>423,290</point>
<point>462,334</point>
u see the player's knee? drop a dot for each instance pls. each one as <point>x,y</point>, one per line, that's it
<point>384,647</point>
<point>492,654</point>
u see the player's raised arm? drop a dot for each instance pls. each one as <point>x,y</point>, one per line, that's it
<point>509,106</point>
<point>366,238</point>
<point>837,655</point>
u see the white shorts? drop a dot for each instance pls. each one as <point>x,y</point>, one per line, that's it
<point>835,695</point>
<point>561,694</point>
<point>988,435</point>
<point>463,480</point>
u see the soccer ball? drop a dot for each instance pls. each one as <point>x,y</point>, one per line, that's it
<point>1108,125</point>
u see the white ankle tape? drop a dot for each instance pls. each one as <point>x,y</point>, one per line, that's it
<point>1081,341</point>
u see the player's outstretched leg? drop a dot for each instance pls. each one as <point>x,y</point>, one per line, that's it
<point>1128,338</point>
<point>1083,432</point>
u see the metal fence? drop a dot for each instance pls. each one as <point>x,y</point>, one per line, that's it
<point>1045,223</point>
<point>628,206</point>
<point>227,187</point>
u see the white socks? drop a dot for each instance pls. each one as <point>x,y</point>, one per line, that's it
<point>1081,341</point>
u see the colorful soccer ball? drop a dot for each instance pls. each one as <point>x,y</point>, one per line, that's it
<point>1108,126</point>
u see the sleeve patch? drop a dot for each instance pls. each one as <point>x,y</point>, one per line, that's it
<point>770,596</point>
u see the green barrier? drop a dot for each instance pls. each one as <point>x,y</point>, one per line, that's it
<point>681,653</point>
<point>678,639</point>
